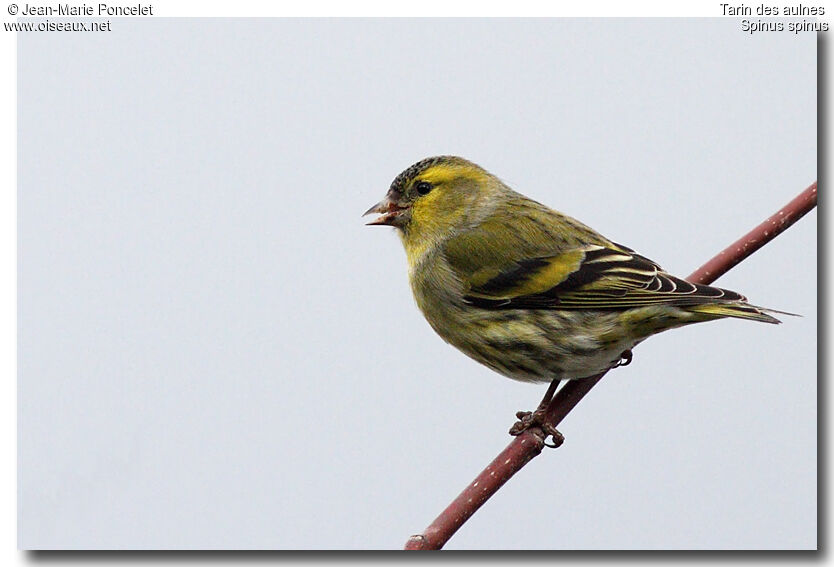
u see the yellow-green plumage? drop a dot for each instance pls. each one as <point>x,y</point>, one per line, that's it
<point>526,290</point>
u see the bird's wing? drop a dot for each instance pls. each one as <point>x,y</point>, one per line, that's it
<point>530,257</point>
<point>609,277</point>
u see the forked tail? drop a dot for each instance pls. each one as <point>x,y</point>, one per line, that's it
<point>739,311</point>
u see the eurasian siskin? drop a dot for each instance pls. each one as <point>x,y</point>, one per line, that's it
<point>528,291</point>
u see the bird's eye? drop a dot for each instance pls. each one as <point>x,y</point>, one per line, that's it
<point>423,187</point>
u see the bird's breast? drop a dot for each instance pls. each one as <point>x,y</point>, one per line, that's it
<point>437,289</point>
<point>529,345</point>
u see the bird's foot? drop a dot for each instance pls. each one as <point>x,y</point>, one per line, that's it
<point>625,358</point>
<point>528,419</point>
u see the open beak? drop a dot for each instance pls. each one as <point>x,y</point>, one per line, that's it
<point>390,213</point>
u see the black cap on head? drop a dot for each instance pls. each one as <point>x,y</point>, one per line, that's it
<point>401,181</point>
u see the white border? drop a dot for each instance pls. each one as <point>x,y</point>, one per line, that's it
<point>213,8</point>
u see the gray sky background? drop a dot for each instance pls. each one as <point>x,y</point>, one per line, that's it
<point>215,352</point>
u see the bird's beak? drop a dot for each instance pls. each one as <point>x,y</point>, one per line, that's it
<point>391,213</point>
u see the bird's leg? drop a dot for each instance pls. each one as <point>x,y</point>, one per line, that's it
<point>625,358</point>
<point>527,419</point>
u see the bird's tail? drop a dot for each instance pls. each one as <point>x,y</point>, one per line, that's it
<point>739,311</point>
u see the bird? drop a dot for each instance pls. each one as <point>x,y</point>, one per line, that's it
<point>528,291</point>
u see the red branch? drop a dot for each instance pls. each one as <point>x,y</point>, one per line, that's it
<point>529,444</point>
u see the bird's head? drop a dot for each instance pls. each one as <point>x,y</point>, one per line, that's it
<point>435,197</point>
